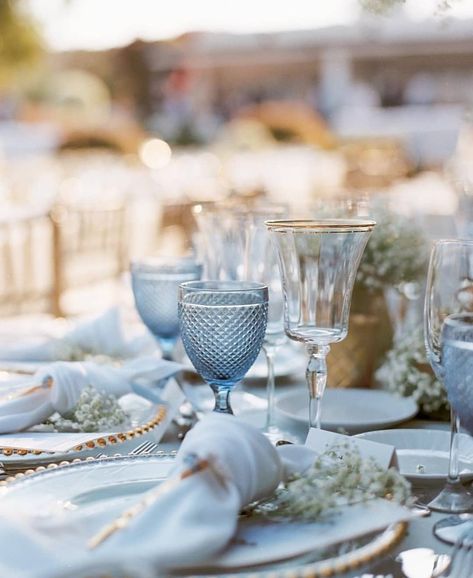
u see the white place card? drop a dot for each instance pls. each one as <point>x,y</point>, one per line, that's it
<point>320,440</point>
<point>172,396</point>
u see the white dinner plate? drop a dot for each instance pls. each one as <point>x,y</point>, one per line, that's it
<point>143,418</point>
<point>109,485</point>
<point>289,361</point>
<point>351,410</point>
<point>423,453</point>
<point>203,400</point>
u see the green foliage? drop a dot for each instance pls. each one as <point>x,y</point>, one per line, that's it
<point>20,41</point>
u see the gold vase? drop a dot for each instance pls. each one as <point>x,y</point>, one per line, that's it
<point>353,361</point>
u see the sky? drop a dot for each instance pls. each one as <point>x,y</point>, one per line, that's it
<point>100,24</point>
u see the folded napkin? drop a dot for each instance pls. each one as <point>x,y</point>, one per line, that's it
<point>104,335</point>
<point>60,384</point>
<point>188,524</point>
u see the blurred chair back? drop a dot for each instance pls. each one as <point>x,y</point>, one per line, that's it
<point>26,279</point>
<point>89,246</point>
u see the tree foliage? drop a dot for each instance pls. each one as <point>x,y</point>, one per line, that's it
<point>20,41</point>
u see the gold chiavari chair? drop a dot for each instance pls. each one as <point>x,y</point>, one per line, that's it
<point>26,280</point>
<point>89,247</point>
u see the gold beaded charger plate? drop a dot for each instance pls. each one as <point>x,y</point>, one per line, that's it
<point>260,547</point>
<point>143,419</point>
<point>353,410</point>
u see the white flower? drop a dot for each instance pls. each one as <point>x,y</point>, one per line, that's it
<point>406,372</point>
<point>338,477</point>
<point>94,412</point>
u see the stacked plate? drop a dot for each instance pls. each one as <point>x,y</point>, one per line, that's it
<point>423,454</point>
<point>144,420</point>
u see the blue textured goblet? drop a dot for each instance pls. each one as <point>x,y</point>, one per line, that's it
<point>223,324</point>
<point>155,286</point>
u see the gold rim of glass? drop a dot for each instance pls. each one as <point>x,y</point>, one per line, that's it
<point>335,225</point>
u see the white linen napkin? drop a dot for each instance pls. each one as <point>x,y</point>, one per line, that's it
<point>104,335</point>
<point>68,380</point>
<point>188,524</point>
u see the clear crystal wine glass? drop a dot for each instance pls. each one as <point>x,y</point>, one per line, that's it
<point>449,292</point>
<point>236,245</point>
<point>318,261</point>
<point>222,324</point>
<point>155,284</point>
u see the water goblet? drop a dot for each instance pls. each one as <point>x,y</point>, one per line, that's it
<point>318,261</point>
<point>222,325</point>
<point>155,284</point>
<point>449,293</point>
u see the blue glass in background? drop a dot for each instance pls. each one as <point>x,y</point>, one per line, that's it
<point>457,362</point>
<point>223,324</point>
<point>449,292</point>
<point>155,285</point>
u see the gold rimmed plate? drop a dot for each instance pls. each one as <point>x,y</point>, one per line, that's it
<point>143,420</point>
<point>96,490</point>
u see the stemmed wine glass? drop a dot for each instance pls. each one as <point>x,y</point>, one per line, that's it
<point>318,262</point>
<point>236,245</point>
<point>222,324</point>
<point>449,293</point>
<point>155,284</point>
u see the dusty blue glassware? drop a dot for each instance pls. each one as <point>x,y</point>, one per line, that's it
<point>223,324</point>
<point>457,362</point>
<point>155,286</point>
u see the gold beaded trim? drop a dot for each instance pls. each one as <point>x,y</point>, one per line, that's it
<point>101,441</point>
<point>52,466</point>
<point>347,562</point>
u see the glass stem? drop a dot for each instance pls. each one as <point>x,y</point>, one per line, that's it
<point>316,375</point>
<point>167,348</point>
<point>453,468</point>
<point>269,351</point>
<point>222,399</point>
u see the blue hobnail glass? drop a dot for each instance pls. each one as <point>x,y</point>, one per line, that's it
<point>223,324</point>
<point>155,285</point>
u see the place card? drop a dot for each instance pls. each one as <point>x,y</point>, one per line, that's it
<point>320,440</point>
<point>58,442</point>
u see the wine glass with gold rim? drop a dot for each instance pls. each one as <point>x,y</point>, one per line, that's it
<point>318,260</point>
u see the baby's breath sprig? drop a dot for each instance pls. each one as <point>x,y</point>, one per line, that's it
<point>95,411</point>
<point>338,477</point>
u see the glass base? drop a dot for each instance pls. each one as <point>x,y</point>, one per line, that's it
<point>276,436</point>
<point>453,499</point>
<point>451,528</point>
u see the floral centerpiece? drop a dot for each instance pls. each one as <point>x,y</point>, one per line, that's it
<point>395,258</point>
<point>406,372</point>
<point>397,253</point>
